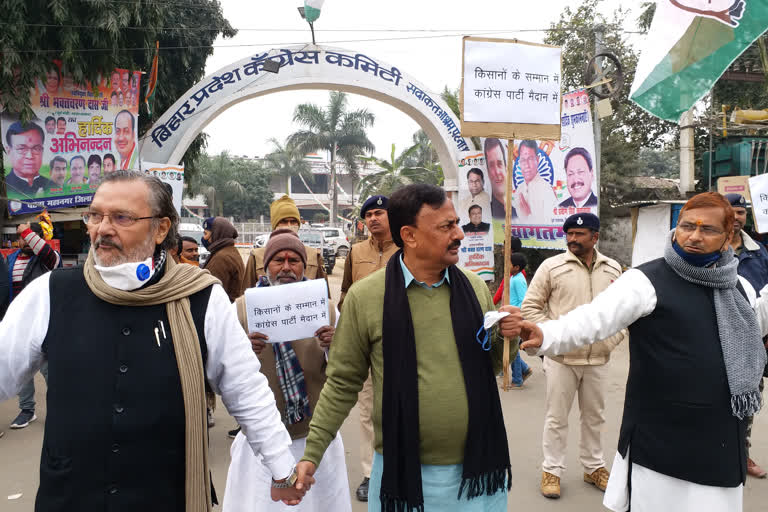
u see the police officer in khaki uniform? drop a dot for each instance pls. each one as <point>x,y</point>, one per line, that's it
<point>283,214</point>
<point>363,260</point>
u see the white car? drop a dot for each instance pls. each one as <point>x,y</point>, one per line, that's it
<point>338,240</point>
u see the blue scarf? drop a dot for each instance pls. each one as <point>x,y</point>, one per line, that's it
<point>697,260</point>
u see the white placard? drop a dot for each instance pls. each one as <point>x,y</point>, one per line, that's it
<point>758,189</point>
<point>508,82</point>
<point>289,311</point>
<point>173,175</point>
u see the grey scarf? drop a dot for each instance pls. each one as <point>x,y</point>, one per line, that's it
<point>740,339</point>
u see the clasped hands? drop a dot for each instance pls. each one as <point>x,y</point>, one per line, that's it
<point>513,325</point>
<point>304,481</point>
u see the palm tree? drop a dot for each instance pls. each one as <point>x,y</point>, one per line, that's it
<point>286,160</point>
<point>396,173</point>
<point>335,130</point>
<point>218,177</point>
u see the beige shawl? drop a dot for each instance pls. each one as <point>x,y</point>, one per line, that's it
<point>173,290</point>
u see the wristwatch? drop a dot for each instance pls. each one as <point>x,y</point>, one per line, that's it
<point>288,482</point>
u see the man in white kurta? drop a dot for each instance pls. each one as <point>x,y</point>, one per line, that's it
<point>249,479</point>
<point>646,305</point>
<point>534,198</point>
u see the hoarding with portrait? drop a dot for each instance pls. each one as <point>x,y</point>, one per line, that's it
<point>474,209</point>
<point>551,180</point>
<point>78,134</point>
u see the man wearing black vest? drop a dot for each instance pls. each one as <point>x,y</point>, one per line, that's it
<point>132,340</point>
<point>696,359</point>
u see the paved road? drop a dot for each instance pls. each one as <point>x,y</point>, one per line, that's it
<point>523,413</point>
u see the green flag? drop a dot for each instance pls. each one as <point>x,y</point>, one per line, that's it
<point>690,44</point>
<point>312,9</point>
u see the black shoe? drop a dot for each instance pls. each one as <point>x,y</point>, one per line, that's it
<point>233,433</point>
<point>25,417</point>
<point>362,491</point>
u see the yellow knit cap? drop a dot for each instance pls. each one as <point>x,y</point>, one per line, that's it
<point>283,208</point>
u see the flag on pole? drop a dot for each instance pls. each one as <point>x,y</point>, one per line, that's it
<point>152,82</point>
<point>689,46</point>
<point>312,9</point>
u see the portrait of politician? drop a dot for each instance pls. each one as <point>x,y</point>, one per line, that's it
<point>58,173</point>
<point>477,194</point>
<point>579,176</point>
<point>124,138</point>
<point>496,160</point>
<point>94,170</point>
<point>61,126</point>
<point>50,125</point>
<point>109,163</point>
<point>76,171</point>
<point>24,146</point>
<point>476,224</point>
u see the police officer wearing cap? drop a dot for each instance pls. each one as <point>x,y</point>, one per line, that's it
<point>363,260</point>
<point>753,266</point>
<point>563,283</point>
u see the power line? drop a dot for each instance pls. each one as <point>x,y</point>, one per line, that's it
<point>255,45</point>
<point>186,47</point>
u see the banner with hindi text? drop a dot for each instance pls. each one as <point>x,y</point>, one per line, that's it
<point>79,133</point>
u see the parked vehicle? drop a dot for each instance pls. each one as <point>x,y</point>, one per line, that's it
<point>338,240</point>
<point>314,238</point>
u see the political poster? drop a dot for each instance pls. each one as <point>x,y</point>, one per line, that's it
<point>551,179</point>
<point>288,312</point>
<point>758,190</point>
<point>78,134</point>
<point>474,209</point>
<point>173,175</point>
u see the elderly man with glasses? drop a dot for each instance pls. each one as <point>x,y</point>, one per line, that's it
<point>132,340</point>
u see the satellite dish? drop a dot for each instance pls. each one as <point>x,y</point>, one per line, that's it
<point>604,75</point>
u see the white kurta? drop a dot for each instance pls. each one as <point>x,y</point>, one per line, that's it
<point>249,481</point>
<point>628,299</point>
<point>232,368</point>
<point>540,198</point>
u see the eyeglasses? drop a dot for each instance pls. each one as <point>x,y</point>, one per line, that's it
<point>23,150</point>
<point>123,220</point>
<point>687,227</point>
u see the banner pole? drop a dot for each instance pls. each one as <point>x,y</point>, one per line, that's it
<point>507,248</point>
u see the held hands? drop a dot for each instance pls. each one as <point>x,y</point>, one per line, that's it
<point>513,325</point>
<point>258,341</point>
<point>325,335</point>
<point>304,480</point>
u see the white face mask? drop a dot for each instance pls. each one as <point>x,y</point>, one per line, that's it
<point>128,276</point>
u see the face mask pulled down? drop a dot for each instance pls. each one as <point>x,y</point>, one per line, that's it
<point>128,276</point>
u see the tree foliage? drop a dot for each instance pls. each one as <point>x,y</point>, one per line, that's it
<point>233,186</point>
<point>288,160</point>
<point>335,129</point>
<point>396,173</point>
<point>90,37</point>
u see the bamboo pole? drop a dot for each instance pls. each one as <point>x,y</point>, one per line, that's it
<point>507,240</point>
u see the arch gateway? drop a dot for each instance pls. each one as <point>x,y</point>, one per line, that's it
<point>304,67</point>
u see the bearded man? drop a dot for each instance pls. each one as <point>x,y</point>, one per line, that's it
<point>301,362</point>
<point>131,339</point>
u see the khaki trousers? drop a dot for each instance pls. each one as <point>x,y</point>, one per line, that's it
<point>563,382</point>
<point>365,405</point>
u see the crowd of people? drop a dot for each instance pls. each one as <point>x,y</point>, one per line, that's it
<point>414,341</point>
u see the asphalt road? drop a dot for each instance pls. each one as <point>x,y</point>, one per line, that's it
<point>523,413</point>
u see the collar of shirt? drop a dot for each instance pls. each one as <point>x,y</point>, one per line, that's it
<point>410,279</point>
